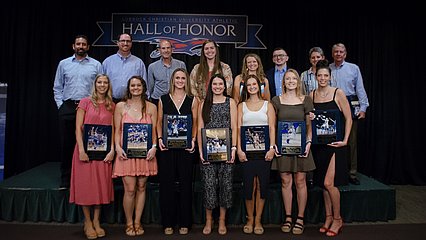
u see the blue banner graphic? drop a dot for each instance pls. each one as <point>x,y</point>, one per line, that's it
<point>187,32</point>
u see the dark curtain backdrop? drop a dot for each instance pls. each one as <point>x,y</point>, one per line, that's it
<point>385,42</point>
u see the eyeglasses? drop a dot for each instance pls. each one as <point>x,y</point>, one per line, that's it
<point>124,41</point>
<point>279,56</point>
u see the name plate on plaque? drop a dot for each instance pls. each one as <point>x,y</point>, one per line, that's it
<point>255,141</point>
<point>137,139</point>
<point>291,139</point>
<point>177,131</point>
<point>216,144</point>
<point>97,140</point>
<point>326,127</point>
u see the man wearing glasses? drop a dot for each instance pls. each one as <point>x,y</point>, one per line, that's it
<point>121,66</point>
<point>275,74</point>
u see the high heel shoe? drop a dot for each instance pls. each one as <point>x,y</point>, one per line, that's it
<point>331,233</point>
<point>286,227</point>
<point>325,227</point>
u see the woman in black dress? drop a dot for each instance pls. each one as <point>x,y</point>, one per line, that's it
<point>176,164</point>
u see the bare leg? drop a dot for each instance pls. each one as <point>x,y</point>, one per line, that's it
<point>248,228</point>
<point>100,232</point>
<point>209,222</point>
<point>222,217</point>
<point>140,203</point>
<point>129,184</point>
<point>89,231</point>
<point>302,197</point>
<point>260,203</point>
<point>287,194</point>
<point>334,194</point>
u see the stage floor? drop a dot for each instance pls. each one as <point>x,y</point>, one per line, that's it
<point>35,196</point>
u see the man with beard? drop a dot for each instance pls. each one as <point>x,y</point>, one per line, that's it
<point>73,81</point>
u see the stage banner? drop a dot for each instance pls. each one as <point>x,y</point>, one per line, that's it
<point>3,96</point>
<point>187,32</point>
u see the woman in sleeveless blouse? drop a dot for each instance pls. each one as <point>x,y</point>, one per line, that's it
<point>254,110</point>
<point>330,166</point>
<point>134,172</point>
<point>252,65</point>
<point>91,182</point>
<point>176,164</point>
<point>217,111</point>
<point>292,105</point>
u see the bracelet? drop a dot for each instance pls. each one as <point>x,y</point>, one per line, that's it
<point>160,138</point>
<point>309,141</point>
<point>234,148</point>
<point>271,147</point>
<point>154,146</point>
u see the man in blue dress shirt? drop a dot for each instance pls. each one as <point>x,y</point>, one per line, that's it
<point>73,81</point>
<point>347,77</point>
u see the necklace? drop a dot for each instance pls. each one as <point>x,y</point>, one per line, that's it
<point>323,95</point>
<point>179,99</point>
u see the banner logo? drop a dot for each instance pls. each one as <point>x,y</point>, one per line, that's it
<point>187,32</point>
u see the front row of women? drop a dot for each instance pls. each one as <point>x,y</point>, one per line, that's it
<point>91,183</point>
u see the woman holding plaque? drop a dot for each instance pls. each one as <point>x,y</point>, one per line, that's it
<point>217,111</point>
<point>175,162</point>
<point>91,183</point>
<point>330,158</point>
<point>134,172</point>
<point>293,106</point>
<point>253,111</point>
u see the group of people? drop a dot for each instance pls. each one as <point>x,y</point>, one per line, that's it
<point>119,91</point>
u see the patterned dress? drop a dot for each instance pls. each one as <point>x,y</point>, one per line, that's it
<point>91,182</point>
<point>218,176</point>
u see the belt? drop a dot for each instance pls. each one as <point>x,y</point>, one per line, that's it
<point>75,102</point>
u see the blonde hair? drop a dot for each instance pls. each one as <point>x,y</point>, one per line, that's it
<point>299,92</point>
<point>94,95</point>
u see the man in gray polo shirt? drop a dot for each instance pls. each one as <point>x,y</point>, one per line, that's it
<point>160,71</point>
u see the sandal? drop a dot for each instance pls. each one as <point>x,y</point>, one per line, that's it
<point>168,231</point>
<point>325,227</point>
<point>298,226</point>
<point>222,227</point>
<point>139,229</point>
<point>183,231</point>
<point>248,228</point>
<point>100,232</point>
<point>208,227</point>
<point>286,227</point>
<point>130,230</point>
<point>89,231</point>
<point>331,233</point>
<point>259,230</point>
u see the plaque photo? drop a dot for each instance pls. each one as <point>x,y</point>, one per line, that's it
<point>177,131</point>
<point>355,106</point>
<point>137,139</point>
<point>97,140</point>
<point>255,141</point>
<point>216,144</point>
<point>326,127</point>
<point>291,139</point>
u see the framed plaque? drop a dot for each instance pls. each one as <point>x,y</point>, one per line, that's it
<point>177,131</point>
<point>97,140</point>
<point>255,141</point>
<point>137,139</point>
<point>291,139</point>
<point>355,106</point>
<point>216,144</point>
<point>327,127</point>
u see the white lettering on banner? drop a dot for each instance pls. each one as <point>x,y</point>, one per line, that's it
<point>206,30</point>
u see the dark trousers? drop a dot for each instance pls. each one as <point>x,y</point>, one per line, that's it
<point>67,116</point>
<point>175,175</point>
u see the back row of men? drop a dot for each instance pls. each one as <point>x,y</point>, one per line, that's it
<point>75,75</point>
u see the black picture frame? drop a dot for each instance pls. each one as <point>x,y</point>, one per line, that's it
<point>177,131</point>
<point>354,105</point>
<point>327,127</point>
<point>97,140</point>
<point>216,144</point>
<point>255,141</point>
<point>137,139</point>
<point>291,137</point>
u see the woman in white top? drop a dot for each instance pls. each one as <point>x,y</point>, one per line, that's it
<point>254,111</point>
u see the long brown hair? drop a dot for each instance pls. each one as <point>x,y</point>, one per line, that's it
<point>128,95</point>
<point>202,73</point>
<point>208,101</point>
<point>94,95</point>
<point>244,92</point>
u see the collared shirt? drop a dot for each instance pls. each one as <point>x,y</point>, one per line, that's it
<point>309,80</point>
<point>74,78</point>
<point>119,69</point>
<point>348,78</point>
<point>279,74</point>
<point>159,76</point>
